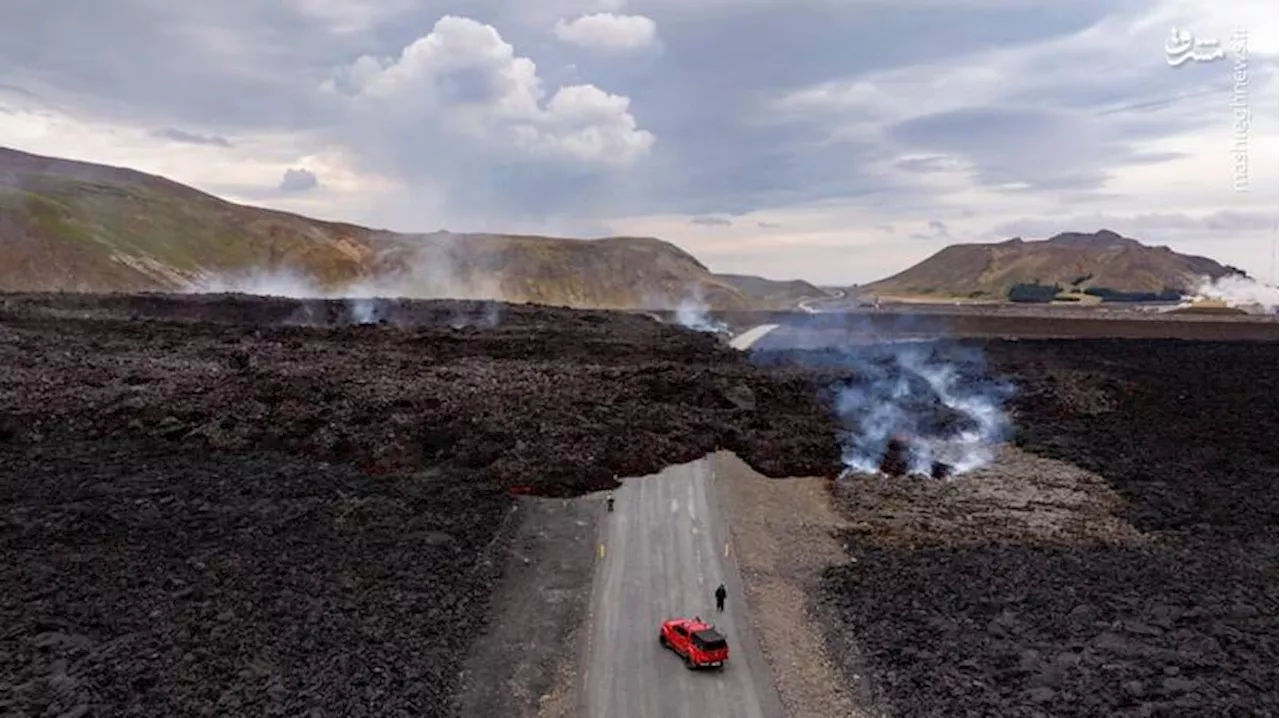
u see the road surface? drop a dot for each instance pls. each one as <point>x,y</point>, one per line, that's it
<point>744,340</point>
<point>662,553</point>
<point>806,305</point>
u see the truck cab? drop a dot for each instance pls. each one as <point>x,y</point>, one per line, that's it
<point>697,642</point>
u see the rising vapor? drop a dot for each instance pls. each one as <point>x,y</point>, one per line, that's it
<point>1240,291</point>
<point>432,267</point>
<point>935,399</point>
<point>921,406</point>
<point>694,313</point>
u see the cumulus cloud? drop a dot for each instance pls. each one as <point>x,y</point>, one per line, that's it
<point>607,31</point>
<point>979,115</point>
<point>296,179</point>
<point>464,80</point>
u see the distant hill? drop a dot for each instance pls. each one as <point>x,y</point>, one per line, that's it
<point>772,293</point>
<point>76,226</point>
<point>1075,261</point>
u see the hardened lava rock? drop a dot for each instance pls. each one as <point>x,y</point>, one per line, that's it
<point>1119,561</point>
<point>242,506</point>
<point>897,457</point>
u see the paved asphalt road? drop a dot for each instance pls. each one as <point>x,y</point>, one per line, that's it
<point>744,340</point>
<point>662,553</point>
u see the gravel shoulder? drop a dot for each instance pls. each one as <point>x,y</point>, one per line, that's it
<point>524,664</point>
<point>783,538</point>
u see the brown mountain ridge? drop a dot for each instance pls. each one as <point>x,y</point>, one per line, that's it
<point>76,226</point>
<point>1103,260</point>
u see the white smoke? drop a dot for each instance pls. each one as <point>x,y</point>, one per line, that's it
<point>938,399</point>
<point>693,313</point>
<point>430,268</point>
<point>364,300</point>
<point>365,310</point>
<point>1240,291</point>
<point>893,388</point>
<point>279,283</point>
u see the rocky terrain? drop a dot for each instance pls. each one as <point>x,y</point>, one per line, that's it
<point>145,577</point>
<point>535,397</point>
<point>241,506</point>
<point>247,506</point>
<point>1117,558</point>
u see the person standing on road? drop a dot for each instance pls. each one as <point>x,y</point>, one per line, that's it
<point>720,596</point>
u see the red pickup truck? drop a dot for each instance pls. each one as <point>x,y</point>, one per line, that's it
<point>697,642</point>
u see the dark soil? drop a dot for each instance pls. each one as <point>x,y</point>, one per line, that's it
<point>1180,629</point>
<point>240,506</point>
<point>149,578</point>
<point>988,615</point>
<point>553,401</point>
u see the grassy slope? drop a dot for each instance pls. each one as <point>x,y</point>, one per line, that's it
<point>80,227</point>
<point>770,293</point>
<point>1106,258</point>
<point>64,227</point>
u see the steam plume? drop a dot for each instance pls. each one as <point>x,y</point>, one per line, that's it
<point>433,266</point>
<point>1240,291</point>
<point>922,405</point>
<point>936,399</point>
<point>693,313</point>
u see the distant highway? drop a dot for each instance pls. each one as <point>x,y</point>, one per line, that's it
<point>807,305</point>
<point>662,553</point>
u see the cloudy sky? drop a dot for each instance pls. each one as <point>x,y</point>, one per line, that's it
<point>834,140</point>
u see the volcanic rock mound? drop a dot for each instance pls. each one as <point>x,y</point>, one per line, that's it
<point>219,506</point>
<point>558,400</point>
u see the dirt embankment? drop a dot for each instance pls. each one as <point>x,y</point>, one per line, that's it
<point>784,537</point>
<point>525,664</point>
<point>1118,558</point>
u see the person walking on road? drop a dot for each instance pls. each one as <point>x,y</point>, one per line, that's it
<point>720,596</point>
